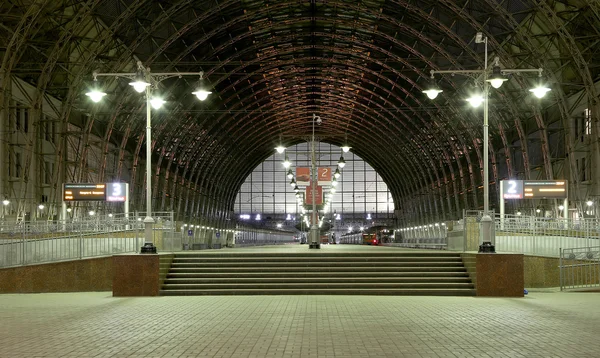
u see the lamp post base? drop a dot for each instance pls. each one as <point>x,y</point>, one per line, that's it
<point>487,247</point>
<point>148,248</point>
<point>314,246</point>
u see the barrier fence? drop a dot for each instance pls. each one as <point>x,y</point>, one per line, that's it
<point>580,268</point>
<point>44,242</point>
<point>513,233</point>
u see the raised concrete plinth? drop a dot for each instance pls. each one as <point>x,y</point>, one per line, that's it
<point>500,275</point>
<point>136,275</point>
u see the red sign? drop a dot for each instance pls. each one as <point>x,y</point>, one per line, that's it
<point>318,195</point>
<point>302,176</point>
<point>324,177</point>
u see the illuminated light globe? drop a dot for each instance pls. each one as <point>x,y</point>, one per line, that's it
<point>95,95</point>
<point>475,100</point>
<point>156,103</point>
<point>139,85</point>
<point>280,149</point>
<point>432,93</point>
<point>201,94</point>
<point>540,91</point>
<point>497,82</point>
<point>345,149</point>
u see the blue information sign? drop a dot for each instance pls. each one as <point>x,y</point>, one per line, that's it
<point>190,232</point>
<point>218,234</point>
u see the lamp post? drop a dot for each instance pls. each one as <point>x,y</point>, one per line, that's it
<point>314,228</point>
<point>496,79</point>
<point>5,203</point>
<point>144,80</point>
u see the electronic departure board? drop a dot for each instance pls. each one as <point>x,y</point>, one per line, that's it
<point>95,192</point>
<point>534,189</point>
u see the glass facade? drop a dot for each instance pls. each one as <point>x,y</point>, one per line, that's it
<point>360,190</point>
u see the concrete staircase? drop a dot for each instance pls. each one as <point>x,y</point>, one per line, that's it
<point>318,273</point>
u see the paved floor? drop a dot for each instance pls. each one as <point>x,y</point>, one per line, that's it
<point>543,324</point>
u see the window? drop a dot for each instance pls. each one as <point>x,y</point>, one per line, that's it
<point>587,116</point>
<point>25,120</point>
<point>48,167</point>
<point>47,129</point>
<point>18,118</point>
<point>267,189</point>
<point>18,165</point>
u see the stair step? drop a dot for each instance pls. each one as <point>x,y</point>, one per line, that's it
<point>319,280</point>
<point>313,269</point>
<point>214,260</point>
<point>315,264</point>
<point>373,275</point>
<point>309,285</point>
<point>328,291</point>
<point>385,253</point>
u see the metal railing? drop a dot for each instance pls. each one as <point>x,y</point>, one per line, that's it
<point>43,242</point>
<point>544,236</point>
<point>580,268</point>
<point>429,236</point>
<point>527,235</point>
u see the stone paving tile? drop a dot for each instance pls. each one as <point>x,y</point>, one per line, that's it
<point>97,325</point>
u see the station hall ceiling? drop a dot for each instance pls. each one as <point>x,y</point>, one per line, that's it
<point>359,65</point>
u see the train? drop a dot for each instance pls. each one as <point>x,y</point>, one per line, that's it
<point>375,235</point>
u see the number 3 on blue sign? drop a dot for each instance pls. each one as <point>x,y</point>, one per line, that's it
<point>117,189</point>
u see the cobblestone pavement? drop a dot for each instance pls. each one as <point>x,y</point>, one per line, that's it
<point>543,324</point>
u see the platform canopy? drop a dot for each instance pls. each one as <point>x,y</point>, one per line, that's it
<point>361,66</point>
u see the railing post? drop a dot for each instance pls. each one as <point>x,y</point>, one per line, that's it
<point>560,267</point>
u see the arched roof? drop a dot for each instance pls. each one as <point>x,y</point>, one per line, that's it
<point>359,65</point>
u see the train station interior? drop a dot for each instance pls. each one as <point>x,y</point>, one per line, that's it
<point>308,178</point>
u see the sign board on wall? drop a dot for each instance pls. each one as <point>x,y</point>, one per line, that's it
<point>535,189</point>
<point>116,192</point>
<point>318,195</point>
<point>95,192</point>
<point>302,176</point>
<point>324,176</point>
<point>84,192</point>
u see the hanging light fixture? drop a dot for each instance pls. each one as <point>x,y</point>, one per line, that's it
<point>290,175</point>
<point>540,91</point>
<point>334,182</point>
<point>95,93</point>
<point>201,91</point>
<point>432,90</point>
<point>296,189</point>
<point>496,79</point>
<point>341,163</point>
<point>286,162</point>
<point>475,100</point>
<point>139,84</point>
<point>156,102</point>
<point>280,149</point>
<point>337,173</point>
<point>345,149</point>
<point>293,183</point>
